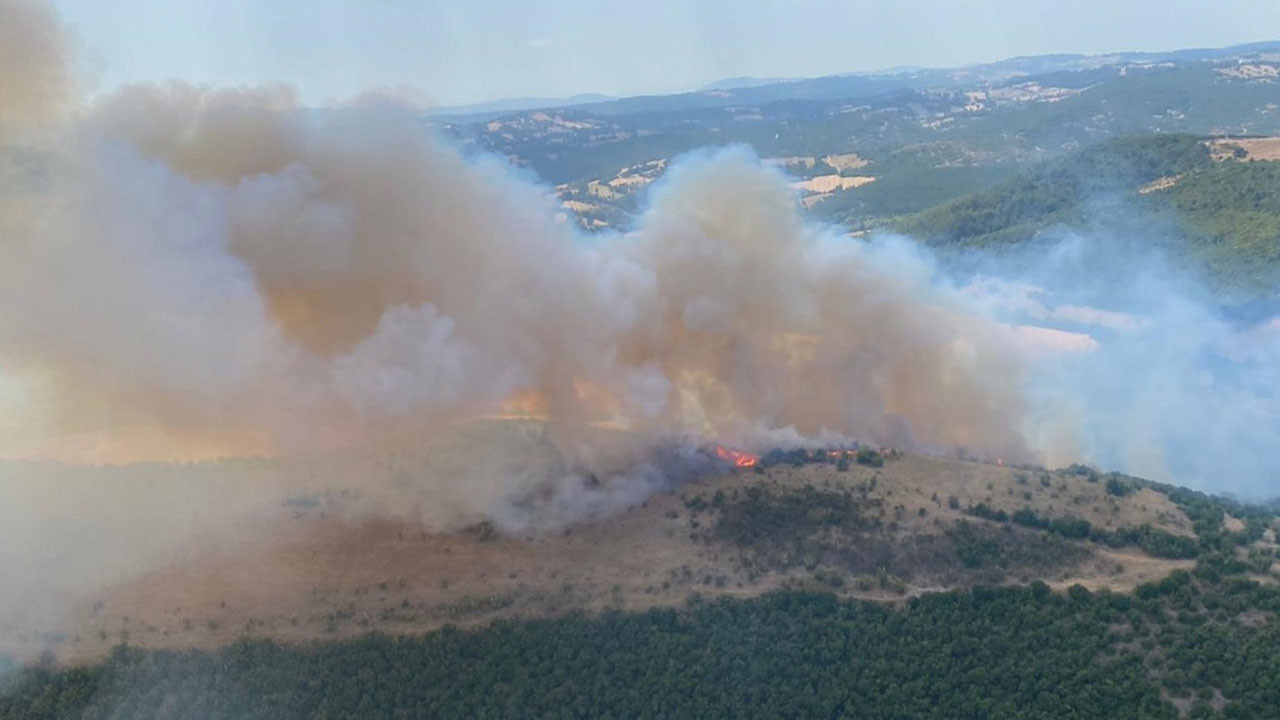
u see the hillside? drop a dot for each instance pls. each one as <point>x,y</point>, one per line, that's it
<point>853,529</point>
<point>323,571</point>
<point>928,135</point>
<point>1059,191</point>
<point>1184,647</point>
<point>1217,204</point>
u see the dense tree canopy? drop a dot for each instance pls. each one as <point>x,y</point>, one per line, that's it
<point>1221,216</point>
<point>1012,652</point>
<point>1200,643</point>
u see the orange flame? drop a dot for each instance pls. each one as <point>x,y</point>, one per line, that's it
<point>737,458</point>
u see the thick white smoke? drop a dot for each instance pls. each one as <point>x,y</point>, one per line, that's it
<point>1172,383</point>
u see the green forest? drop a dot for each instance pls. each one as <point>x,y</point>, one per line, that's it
<point>1219,216</point>
<point>1058,191</point>
<point>1197,644</point>
<point>1209,646</point>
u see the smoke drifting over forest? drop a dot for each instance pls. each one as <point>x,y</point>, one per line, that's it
<point>196,272</point>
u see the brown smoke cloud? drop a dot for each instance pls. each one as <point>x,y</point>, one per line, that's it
<point>192,272</point>
<point>35,85</point>
<point>235,270</point>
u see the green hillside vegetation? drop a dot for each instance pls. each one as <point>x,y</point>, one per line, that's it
<point>1231,212</point>
<point>1210,645</point>
<point>1191,99</point>
<point>1057,191</point>
<point>909,181</point>
<point>900,115</point>
<point>1223,216</point>
<point>835,533</point>
<point>1199,643</point>
<point>928,140</point>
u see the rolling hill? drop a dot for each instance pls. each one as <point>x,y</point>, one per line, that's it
<point>1218,208</point>
<point>927,136</point>
<point>825,572</point>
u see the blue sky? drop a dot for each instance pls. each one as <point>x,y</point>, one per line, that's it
<point>474,50</point>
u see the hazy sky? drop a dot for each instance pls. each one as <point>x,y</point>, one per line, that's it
<point>471,50</point>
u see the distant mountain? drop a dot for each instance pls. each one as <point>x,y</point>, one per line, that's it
<point>860,85</point>
<point>510,105</point>
<point>744,81</point>
<point>990,154</point>
<point>747,90</point>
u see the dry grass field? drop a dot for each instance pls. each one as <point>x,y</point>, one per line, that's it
<point>301,573</point>
<point>1262,148</point>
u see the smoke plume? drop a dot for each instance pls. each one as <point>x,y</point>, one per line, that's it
<point>191,272</point>
<point>1156,375</point>
<point>237,272</point>
<point>34,80</point>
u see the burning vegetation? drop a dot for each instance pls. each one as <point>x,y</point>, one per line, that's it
<point>736,458</point>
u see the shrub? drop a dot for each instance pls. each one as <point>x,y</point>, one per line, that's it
<point>1118,487</point>
<point>870,458</point>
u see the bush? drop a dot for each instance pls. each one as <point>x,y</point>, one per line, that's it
<point>870,458</point>
<point>985,512</point>
<point>1118,487</point>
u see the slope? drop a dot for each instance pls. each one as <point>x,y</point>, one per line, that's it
<point>814,586</point>
<point>1217,212</point>
<point>314,567</point>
